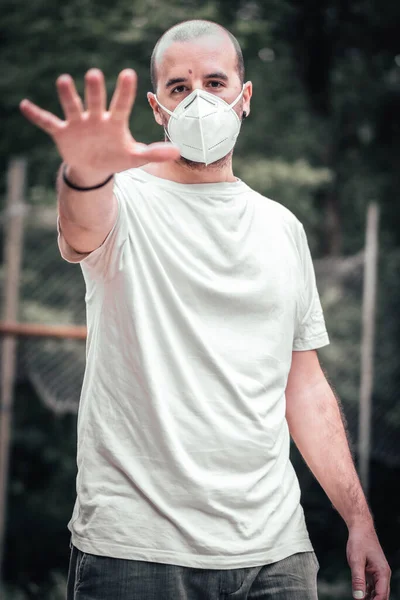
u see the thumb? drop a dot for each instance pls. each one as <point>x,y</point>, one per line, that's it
<point>157,152</point>
<point>358,580</point>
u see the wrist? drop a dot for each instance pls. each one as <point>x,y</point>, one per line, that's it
<point>84,177</point>
<point>361,521</point>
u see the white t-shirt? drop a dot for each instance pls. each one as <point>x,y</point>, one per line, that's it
<point>195,302</point>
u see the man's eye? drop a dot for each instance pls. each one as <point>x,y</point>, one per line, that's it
<point>215,84</point>
<point>179,89</point>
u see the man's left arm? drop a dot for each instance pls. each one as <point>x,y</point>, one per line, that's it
<point>316,426</point>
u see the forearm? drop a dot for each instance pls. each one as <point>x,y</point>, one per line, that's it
<point>85,217</point>
<point>316,426</point>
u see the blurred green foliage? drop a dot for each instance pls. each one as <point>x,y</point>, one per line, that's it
<point>323,138</point>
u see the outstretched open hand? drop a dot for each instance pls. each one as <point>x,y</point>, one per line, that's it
<point>92,139</point>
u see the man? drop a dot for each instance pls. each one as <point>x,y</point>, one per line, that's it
<point>203,324</point>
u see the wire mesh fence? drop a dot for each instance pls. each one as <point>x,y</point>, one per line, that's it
<point>52,293</point>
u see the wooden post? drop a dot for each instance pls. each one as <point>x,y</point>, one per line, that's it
<point>12,257</point>
<point>72,332</point>
<point>367,344</point>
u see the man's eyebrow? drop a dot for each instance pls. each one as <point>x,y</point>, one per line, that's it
<point>174,81</point>
<point>217,75</point>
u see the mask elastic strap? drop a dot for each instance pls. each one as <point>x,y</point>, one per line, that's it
<point>169,112</point>
<point>237,99</point>
<point>163,107</point>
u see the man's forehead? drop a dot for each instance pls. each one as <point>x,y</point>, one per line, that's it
<point>215,52</point>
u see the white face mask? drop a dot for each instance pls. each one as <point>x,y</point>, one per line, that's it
<point>203,126</point>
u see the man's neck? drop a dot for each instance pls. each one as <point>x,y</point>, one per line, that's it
<point>180,172</point>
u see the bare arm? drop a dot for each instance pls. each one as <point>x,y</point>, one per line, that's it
<point>317,429</point>
<point>316,426</point>
<point>85,218</point>
<point>94,143</point>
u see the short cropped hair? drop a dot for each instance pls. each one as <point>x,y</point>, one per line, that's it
<point>188,31</point>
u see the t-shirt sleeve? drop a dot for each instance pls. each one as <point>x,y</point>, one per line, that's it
<point>103,261</point>
<point>310,332</point>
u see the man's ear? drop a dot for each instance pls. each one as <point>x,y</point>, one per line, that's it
<point>155,107</point>
<point>247,93</point>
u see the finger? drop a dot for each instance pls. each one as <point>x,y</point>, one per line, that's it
<point>42,118</point>
<point>124,95</point>
<point>369,591</point>
<point>69,98</point>
<point>358,582</point>
<point>382,588</point>
<point>95,92</point>
<point>157,152</point>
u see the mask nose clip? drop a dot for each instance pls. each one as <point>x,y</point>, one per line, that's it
<point>199,94</point>
<point>190,102</point>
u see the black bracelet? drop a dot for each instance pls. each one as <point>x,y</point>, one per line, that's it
<point>83,189</point>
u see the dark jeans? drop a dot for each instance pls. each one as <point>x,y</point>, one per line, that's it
<point>101,578</point>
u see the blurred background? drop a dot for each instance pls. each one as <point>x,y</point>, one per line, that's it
<point>323,138</point>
